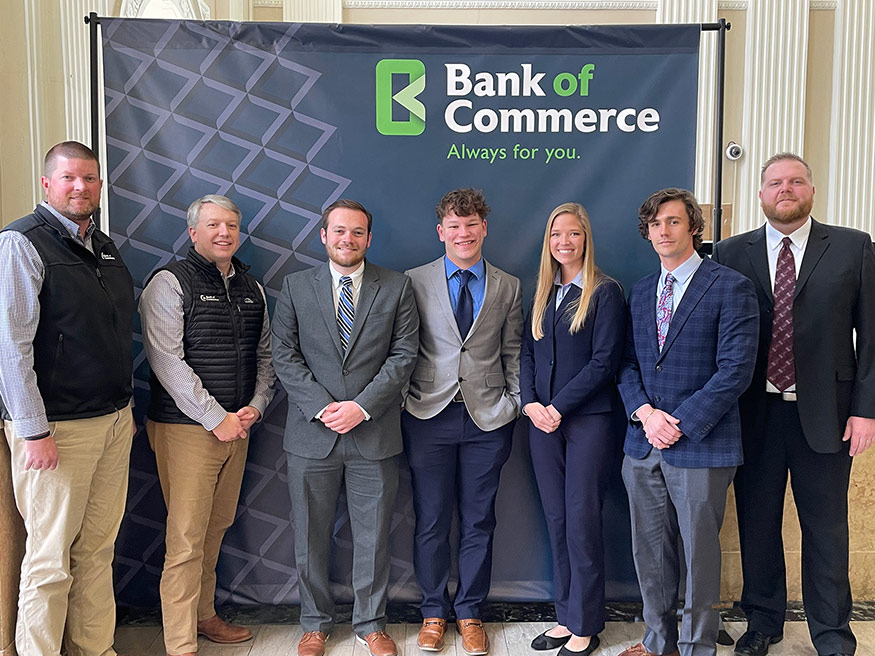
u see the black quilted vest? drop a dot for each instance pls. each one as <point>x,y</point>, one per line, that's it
<point>220,337</point>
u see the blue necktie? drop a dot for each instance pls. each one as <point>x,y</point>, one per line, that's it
<point>465,304</point>
<point>345,310</point>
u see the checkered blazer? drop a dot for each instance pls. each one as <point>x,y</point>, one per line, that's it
<point>706,363</point>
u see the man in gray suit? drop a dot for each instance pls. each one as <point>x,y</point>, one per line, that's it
<point>345,337</point>
<point>459,415</point>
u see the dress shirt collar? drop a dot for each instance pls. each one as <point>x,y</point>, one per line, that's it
<point>355,275</point>
<point>479,269</point>
<point>577,281</point>
<point>798,237</point>
<point>682,273</point>
<point>71,226</point>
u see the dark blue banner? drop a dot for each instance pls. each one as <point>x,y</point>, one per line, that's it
<point>286,118</point>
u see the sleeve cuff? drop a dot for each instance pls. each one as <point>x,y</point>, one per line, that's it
<point>364,412</point>
<point>213,417</point>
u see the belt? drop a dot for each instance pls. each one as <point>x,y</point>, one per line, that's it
<point>785,396</point>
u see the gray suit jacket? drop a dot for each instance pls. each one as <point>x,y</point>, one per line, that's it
<point>376,366</point>
<point>485,365</point>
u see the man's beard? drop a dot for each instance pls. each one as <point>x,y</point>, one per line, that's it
<point>798,212</point>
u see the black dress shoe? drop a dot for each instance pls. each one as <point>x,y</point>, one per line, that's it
<point>594,643</point>
<point>544,642</point>
<point>723,638</point>
<point>754,643</point>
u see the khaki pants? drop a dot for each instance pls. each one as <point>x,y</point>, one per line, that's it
<point>11,552</point>
<point>200,478</point>
<point>72,516</point>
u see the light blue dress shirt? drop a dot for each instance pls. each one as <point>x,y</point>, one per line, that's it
<point>477,284</point>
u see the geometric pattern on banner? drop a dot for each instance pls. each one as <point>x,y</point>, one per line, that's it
<point>225,121</point>
<point>279,117</point>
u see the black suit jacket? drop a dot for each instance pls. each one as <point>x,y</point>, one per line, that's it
<point>835,295</point>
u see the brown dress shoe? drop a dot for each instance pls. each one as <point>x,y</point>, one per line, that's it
<point>641,650</point>
<point>218,630</point>
<point>312,643</point>
<point>379,643</point>
<point>475,642</point>
<point>431,635</point>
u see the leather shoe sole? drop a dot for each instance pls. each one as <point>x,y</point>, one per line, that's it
<point>544,642</point>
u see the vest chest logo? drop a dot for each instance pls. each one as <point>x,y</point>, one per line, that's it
<point>107,256</point>
<point>210,298</point>
<point>248,300</point>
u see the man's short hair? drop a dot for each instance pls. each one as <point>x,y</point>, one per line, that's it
<point>70,150</point>
<point>349,204</point>
<point>650,209</point>
<point>464,202</point>
<point>781,157</point>
<point>194,210</point>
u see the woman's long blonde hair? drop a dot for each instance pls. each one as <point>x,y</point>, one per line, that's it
<point>591,277</point>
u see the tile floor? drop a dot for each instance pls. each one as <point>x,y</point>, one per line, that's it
<point>508,639</point>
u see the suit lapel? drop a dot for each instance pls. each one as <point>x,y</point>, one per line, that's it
<point>322,287</point>
<point>367,294</point>
<point>650,311</point>
<point>493,284</point>
<point>818,242</point>
<point>441,294</point>
<point>702,280</point>
<point>551,315</point>
<point>572,294</point>
<point>759,260</point>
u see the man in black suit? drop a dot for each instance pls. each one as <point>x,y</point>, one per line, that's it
<point>809,409</point>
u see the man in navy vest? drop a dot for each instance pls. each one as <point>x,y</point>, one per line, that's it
<point>66,305</point>
<point>207,338</point>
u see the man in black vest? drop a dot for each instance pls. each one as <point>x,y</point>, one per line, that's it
<point>207,338</point>
<point>66,305</point>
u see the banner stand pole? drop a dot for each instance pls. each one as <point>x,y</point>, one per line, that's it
<point>93,20</point>
<point>721,27</point>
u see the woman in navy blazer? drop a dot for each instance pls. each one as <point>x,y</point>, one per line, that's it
<point>571,351</point>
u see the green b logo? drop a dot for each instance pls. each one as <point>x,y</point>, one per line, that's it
<point>415,72</point>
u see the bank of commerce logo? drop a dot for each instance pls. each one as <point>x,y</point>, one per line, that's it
<point>415,72</point>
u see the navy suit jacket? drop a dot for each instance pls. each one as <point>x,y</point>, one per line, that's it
<point>575,372</point>
<point>707,361</point>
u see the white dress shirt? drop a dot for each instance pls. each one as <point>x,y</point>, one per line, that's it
<point>774,243</point>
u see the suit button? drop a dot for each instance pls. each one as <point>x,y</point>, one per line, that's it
<point>551,363</point>
<point>464,349</point>
<point>659,367</point>
<point>657,399</point>
<point>346,372</point>
<point>461,380</point>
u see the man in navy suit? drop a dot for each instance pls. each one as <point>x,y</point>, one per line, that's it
<point>807,350</point>
<point>690,349</point>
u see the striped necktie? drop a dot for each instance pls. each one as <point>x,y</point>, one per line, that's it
<point>345,310</point>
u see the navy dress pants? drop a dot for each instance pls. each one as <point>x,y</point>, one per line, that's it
<point>572,467</point>
<point>454,466</point>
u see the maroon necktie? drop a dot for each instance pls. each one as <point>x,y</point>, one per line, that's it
<point>781,371</point>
